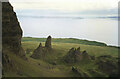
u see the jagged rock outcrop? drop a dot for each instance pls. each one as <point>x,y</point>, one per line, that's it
<point>11,31</point>
<point>48,42</point>
<point>42,51</point>
<point>39,52</point>
<point>75,55</point>
<point>85,55</point>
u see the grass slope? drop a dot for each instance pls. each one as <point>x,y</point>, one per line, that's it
<point>66,40</point>
<point>44,68</point>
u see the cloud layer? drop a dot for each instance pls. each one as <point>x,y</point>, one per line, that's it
<point>66,5</point>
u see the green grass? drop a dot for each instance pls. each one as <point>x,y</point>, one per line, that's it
<point>30,68</point>
<point>63,48</point>
<point>66,40</point>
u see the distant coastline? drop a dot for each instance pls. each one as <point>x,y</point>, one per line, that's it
<point>70,17</point>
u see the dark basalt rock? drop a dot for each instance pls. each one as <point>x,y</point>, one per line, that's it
<point>11,31</point>
<point>42,51</point>
<point>39,52</point>
<point>48,42</point>
<point>75,55</point>
<point>85,55</point>
<point>39,48</point>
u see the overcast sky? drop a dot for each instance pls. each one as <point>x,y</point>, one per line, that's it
<point>66,5</point>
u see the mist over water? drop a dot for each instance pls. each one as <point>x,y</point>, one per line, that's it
<point>94,29</point>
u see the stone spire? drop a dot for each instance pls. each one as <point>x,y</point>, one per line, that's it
<point>38,52</point>
<point>40,45</point>
<point>48,42</point>
<point>85,55</point>
<point>78,49</point>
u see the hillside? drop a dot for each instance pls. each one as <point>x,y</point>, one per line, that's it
<point>46,68</point>
<point>66,40</point>
<point>52,57</point>
<point>32,43</point>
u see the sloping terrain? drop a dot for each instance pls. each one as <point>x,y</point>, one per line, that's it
<point>17,60</point>
<point>47,68</point>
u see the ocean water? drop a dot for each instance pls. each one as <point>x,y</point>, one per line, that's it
<point>94,29</point>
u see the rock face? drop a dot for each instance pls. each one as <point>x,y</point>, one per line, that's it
<point>11,31</point>
<point>48,42</point>
<point>75,55</point>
